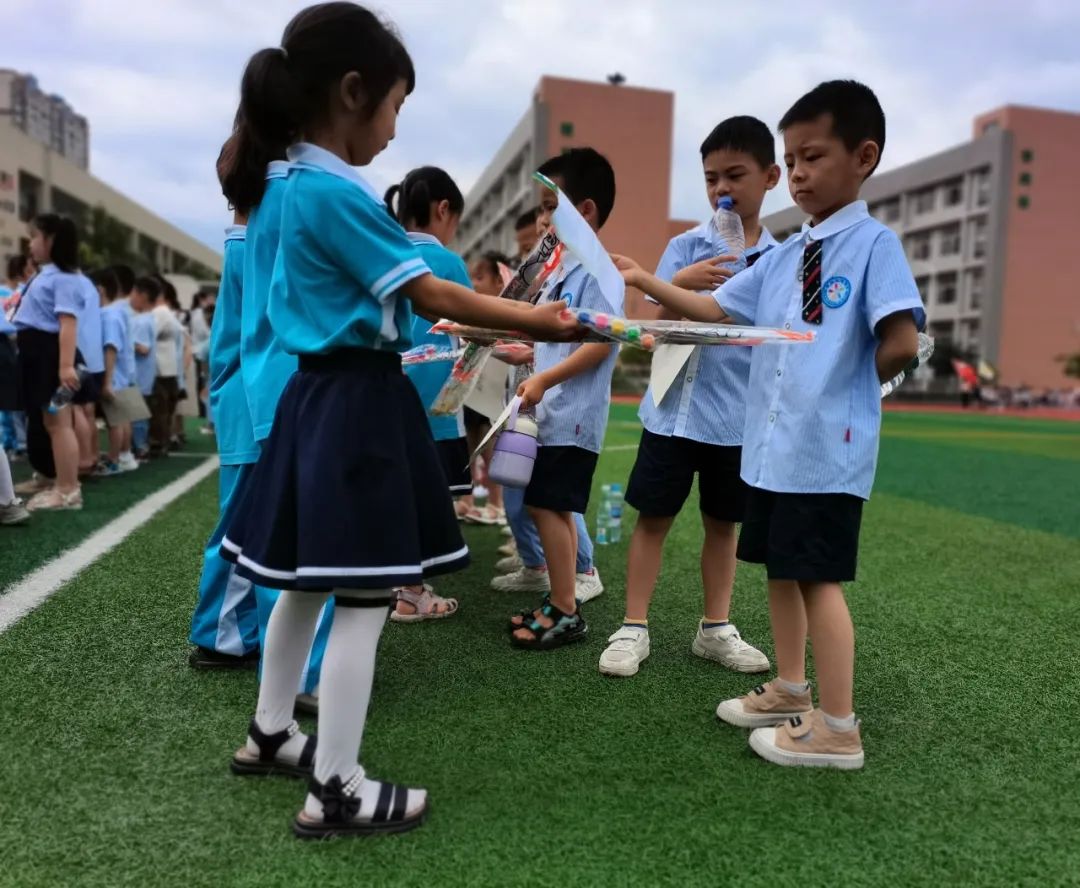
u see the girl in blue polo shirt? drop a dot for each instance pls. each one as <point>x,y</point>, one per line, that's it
<point>348,497</point>
<point>47,328</point>
<point>429,206</point>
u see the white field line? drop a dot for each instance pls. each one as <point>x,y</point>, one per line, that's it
<point>18,600</point>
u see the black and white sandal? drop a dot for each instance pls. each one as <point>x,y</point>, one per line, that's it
<point>565,629</point>
<point>268,760</point>
<point>361,807</point>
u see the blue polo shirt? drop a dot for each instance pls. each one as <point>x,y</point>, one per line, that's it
<point>813,411</point>
<point>341,262</point>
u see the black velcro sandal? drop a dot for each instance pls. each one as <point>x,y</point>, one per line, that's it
<point>266,762</point>
<point>354,808</point>
<point>523,619</point>
<point>565,629</point>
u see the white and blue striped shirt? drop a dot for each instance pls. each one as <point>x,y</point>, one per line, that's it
<point>707,400</point>
<point>575,413</point>
<point>813,411</point>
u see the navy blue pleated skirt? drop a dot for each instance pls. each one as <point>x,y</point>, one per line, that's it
<point>349,491</point>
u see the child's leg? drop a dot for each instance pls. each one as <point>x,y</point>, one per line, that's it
<point>345,689</point>
<point>125,437</point>
<point>643,564</point>
<point>584,545</point>
<point>116,443</point>
<point>833,639</point>
<point>558,536</point>
<point>523,528</point>
<point>718,567</point>
<point>65,448</point>
<point>7,486</point>
<point>84,430</point>
<point>787,613</point>
<point>289,634</point>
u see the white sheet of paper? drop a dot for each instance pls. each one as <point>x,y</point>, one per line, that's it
<point>489,396</point>
<point>667,363</point>
<point>583,243</point>
<point>496,424</point>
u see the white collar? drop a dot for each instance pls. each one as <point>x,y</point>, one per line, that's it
<point>422,237</point>
<point>277,169</point>
<point>570,263</point>
<point>235,232</point>
<point>304,154</point>
<point>839,221</point>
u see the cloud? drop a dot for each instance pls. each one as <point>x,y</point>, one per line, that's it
<point>159,81</point>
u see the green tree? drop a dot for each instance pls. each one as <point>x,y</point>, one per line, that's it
<point>1072,364</point>
<point>106,241</point>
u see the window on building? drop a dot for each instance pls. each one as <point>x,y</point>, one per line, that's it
<point>1025,178</point>
<point>978,239</point>
<point>954,192</point>
<point>971,335</point>
<point>950,240</point>
<point>946,288</point>
<point>922,284</point>
<point>1024,202</point>
<point>982,188</point>
<point>566,128</point>
<point>975,289</point>
<point>1027,155</point>
<point>923,201</point>
<point>919,246</point>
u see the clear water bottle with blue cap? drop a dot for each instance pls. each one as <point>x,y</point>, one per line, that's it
<point>615,509</point>
<point>63,395</point>
<point>728,225</point>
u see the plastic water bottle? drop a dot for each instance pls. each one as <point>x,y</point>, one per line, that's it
<point>63,395</point>
<point>615,504</point>
<point>603,517</point>
<point>728,225</point>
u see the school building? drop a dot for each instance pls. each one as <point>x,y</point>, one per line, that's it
<point>987,232</point>
<point>631,126</point>
<point>44,154</point>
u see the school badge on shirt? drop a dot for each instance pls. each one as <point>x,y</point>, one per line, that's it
<point>836,292</point>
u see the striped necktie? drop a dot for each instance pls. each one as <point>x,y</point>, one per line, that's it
<point>811,283</point>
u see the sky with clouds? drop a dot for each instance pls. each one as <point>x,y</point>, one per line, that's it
<point>159,80</point>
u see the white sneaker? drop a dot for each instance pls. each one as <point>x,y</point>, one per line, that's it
<point>587,586</point>
<point>506,531</point>
<point>627,649</point>
<point>724,645</point>
<point>508,549</point>
<point>127,462</point>
<point>527,579</point>
<point>509,564</point>
<point>14,513</point>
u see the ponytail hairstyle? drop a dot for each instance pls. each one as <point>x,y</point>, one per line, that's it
<point>287,88</point>
<point>418,191</point>
<point>64,253</point>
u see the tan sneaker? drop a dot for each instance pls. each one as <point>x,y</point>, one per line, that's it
<point>767,704</point>
<point>54,501</point>
<point>807,741</point>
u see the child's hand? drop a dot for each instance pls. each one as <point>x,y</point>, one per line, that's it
<point>546,323</point>
<point>107,394</point>
<point>531,391</point>
<point>515,354</point>
<point>629,268</point>
<point>69,378</point>
<point>704,275</point>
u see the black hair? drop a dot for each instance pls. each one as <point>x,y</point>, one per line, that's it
<point>286,88</point>
<point>526,220</point>
<point>746,134</point>
<point>492,259</point>
<point>416,193</point>
<point>856,113</point>
<point>125,277</point>
<point>586,175</point>
<point>107,280</point>
<point>16,266</point>
<point>168,291</point>
<point>65,246</point>
<point>148,285</point>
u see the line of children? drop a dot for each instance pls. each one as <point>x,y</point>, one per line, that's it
<point>320,518</point>
<point>697,428</point>
<point>813,414</point>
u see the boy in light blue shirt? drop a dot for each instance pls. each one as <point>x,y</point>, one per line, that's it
<point>119,370</point>
<point>142,340</point>
<point>697,427</point>
<point>814,414</point>
<point>572,386</point>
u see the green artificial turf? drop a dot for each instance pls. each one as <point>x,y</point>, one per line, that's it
<point>542,771</point>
